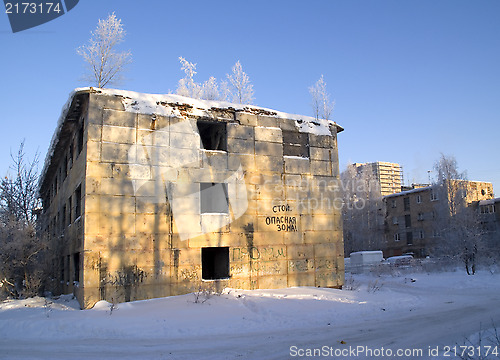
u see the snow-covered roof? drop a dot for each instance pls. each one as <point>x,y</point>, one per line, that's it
<point>489,201</point>
<point>171,105</point>
<point>402,193</point>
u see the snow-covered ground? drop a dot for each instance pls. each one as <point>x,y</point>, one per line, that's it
<point>416,312</point>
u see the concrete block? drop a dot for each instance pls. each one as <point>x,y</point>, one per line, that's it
<point>288,125</point>
<point>116,187</point>
<point>152,223</point>
<point>265,163</point>
<point>94,132</point>
<point>246,118</point>
<point>321,141</point>
<point>269,149</point>
<point>298,252</point>
<point>295,237</point>
<point>116,224</point>
<point>321,167</point>
<point>152,122</point>
<point>240,146</point>
<point>321,154</point>
<point>93,151</point>
<point>111,102</point>
<point>295,165</point>
<point>116,153</point>
<point>268,134</point>
<point>319,237</point>
<point>272,282</point>
<point>246,161</point>
<point>119,134</point>
<point>119,118</point>
<point>237,131</point>
<point>301,279</point>
<point>116,204</point>
<point>215,159</point>
<point>267,121</point>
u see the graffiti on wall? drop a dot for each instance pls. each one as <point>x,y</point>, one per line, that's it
<point>280,220</point>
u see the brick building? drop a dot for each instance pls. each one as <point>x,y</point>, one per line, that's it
<point>411,224</point>
<point>154,195</point>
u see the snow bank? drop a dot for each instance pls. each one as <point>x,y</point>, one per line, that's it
<point>416,310</point>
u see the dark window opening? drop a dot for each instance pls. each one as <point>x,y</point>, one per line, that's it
<point>78,201</point>
<point>213,135</point>
<point>214,198</point>
<point>76,264</point>
<point>407,221</point>
<point>70,208</point>
<point>406,203</point>
<point>295,144</point>
<point>79,144</point>
<point>63,219</point>
<point>409,238</point>
<point>215,263</point>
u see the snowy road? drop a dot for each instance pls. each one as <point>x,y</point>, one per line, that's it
<point>435,310</point>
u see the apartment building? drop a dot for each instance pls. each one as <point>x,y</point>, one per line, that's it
<point>389,175</point>
<point>412,225</point>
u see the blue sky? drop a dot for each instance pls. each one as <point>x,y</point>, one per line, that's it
<point>411,79</point>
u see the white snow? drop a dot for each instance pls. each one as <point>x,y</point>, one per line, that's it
<point>399,310</point>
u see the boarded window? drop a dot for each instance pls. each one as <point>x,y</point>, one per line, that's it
<point>214,198</point>
<point>295,144</point>
<point>213,135</point>
<point>215,263</point>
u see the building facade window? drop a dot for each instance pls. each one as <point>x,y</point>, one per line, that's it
<point>408,221</point>
<point>295,143</point>
<point>397,237</point>
<point>406,203</point>
<point>214,198</point>
<point>409,238</point>
<point>215,263</point>
<point>213,135</point>
<point>419,199</point>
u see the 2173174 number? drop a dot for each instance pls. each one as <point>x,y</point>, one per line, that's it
<point>32,8</point>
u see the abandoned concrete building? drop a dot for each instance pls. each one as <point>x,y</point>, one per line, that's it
<point>155,195</point>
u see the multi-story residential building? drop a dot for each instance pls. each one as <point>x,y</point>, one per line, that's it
<point>155,195</point>
<point>412,224</point>
<point>388,175</point>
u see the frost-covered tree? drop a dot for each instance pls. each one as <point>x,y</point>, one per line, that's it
<point>210,90</point>
<point>238,88</point>
<point>22,249</point>
<point>321,104</point>
<point>462,236</point>
<point>105,64</point>
<point>187,86</point>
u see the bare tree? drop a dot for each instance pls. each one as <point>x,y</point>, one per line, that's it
<point>238,87</point>
<point>321,104</point>
<point>22,270</point>
<point>104,63</point>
